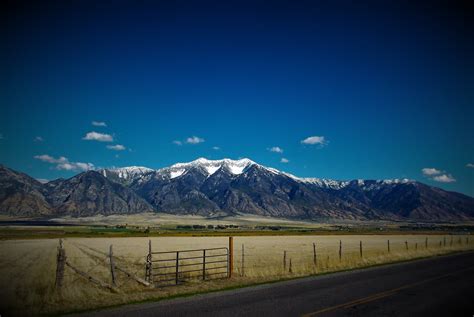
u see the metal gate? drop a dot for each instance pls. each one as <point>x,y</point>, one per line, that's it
<point>175,267</point>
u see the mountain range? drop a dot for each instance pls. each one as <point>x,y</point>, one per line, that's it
<point>226,187</point>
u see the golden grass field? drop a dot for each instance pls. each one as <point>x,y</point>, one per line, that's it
<point>27,267</point>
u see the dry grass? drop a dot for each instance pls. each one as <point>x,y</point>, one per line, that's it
<point>27,267</point>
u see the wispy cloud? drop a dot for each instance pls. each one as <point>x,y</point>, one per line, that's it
<point>42,180</point>
<point>38,139</point>
<point>194,140</point>
<point>284,160</point>
<point>429,171</point>
<point>96,136</point>
<point>99,124</point>
<point>470,165</point>
<point>318,140</point>
<point>276,149</point>
<point>177,142</point>
<point>62,163</point>
<point>216,148</point>
<point>116,147</point>
<point>444,178</point>
<point>49,159</point>
<point>437,175</point>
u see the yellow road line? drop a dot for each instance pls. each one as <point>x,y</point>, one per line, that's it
<point>380,295</point>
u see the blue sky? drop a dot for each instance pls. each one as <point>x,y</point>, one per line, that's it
<point>389,87</point>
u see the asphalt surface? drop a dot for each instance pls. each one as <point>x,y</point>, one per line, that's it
<point>440,286</point>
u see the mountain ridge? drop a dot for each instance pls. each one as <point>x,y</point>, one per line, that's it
<point>226,187</point>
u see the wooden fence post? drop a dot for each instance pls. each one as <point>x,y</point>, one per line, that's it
<point>148,265</point>
<point>203,264</point>
<point>314,255</point>
<point>60,263</point>
<point>340,250</point>
<point>291,268</point>
<point>231,256</point>
<point>426,243</point>
<point>406,245</point>
<point>112,265</point>
<point>360,248</point>
<point>284,260</point>
<point>388,246</point>
<point>177,268</point>
<point>416,246</point>
<point>243,261</point>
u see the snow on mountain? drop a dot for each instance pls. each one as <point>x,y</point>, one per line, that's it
<point>127,174</point>
<point>235,167</point>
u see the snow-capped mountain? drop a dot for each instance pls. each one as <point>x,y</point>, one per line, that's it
<point>127,175</point>
<point>223,187</point>
<point>133,174</point>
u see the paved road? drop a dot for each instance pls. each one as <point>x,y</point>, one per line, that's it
<point>441,286</point>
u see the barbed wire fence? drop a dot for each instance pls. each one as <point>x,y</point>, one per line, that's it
<point>115,268</point>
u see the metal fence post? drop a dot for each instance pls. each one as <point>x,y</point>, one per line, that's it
<point>243,261</point>
<point>314,254</point>
<point>340,250</point>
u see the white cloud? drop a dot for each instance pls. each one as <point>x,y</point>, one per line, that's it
<point>116,147</point>
<point>320,140</point>
<point>470,165</point>
<point>99,124</point>
<point>429,171</point>
<point>177,142</point>
<point>437,175</point>
<point>62,163</point>
<point>49,159</point>
<point>96,136</point>
<point>38,139</point>
<point>216,148</point>
<point>444,178</point>
<point>284,160</point>
<point>194,140</point>
<point>276,149</point>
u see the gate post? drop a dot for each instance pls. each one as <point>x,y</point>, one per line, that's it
<point>231,256</point>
